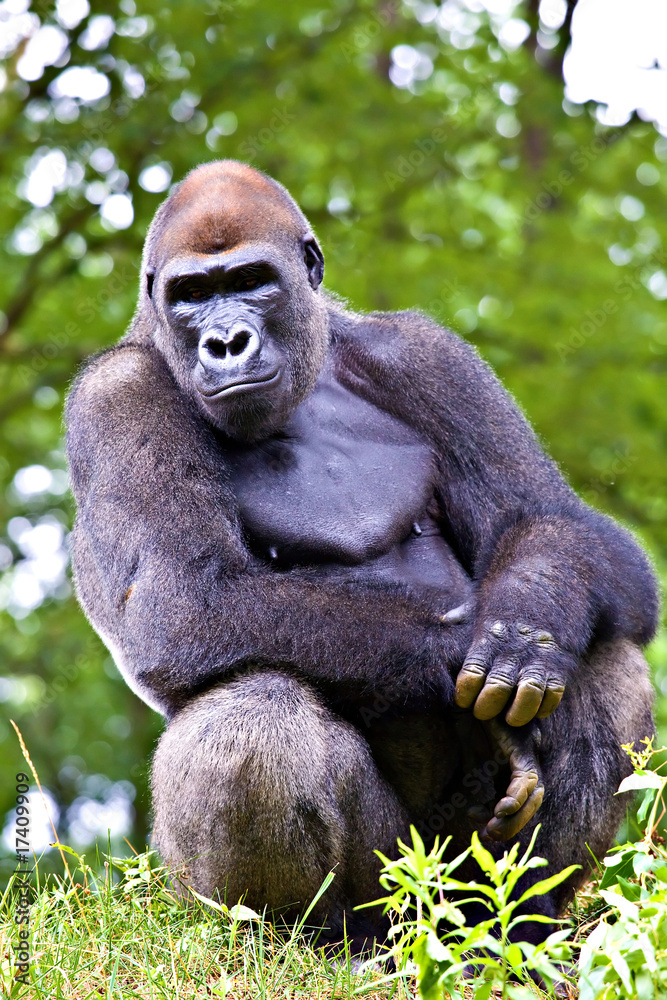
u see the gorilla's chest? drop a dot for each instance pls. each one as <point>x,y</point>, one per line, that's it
<point>343,483</point>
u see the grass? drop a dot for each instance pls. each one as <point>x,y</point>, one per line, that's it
<point>116,930</point>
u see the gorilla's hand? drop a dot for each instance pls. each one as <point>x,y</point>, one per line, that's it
<point>511,659</point>
<point>526,788</point>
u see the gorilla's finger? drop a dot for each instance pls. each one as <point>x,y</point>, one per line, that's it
<point>511,743</point>
<point>493,698</point>
<point>506,827</point>
<point>551,700</point>
<point>457,615</point>
<point>529,697</point>
<point>470,682</point>
<point>522,785</point>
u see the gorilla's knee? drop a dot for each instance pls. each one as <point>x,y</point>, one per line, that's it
<point>620,690</point>
<point>259,790</point>
<point>606,705</point>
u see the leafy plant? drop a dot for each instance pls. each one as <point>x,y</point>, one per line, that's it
<point>432,938</point>
<point>625,955</point>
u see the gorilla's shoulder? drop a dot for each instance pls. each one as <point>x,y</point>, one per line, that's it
<point>119,371</point>
<point>392,337</point>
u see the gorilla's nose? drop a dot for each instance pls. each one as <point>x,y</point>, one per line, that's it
<point>238,346</point>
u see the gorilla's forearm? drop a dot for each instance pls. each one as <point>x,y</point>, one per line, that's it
<point>350,644</point>
<point>574,573</point>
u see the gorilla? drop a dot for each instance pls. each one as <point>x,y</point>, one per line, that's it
<point>329,549</point>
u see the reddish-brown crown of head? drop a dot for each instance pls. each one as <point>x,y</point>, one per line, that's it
<point>220,206</point>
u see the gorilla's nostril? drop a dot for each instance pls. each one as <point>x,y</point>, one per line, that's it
<point>217,348</point>
<point>238,343</point>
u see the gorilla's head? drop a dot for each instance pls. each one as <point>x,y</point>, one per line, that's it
<point>230,296</point>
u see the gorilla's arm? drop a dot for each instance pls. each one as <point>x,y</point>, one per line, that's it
<point>552,575</point>
<point>165,577</point>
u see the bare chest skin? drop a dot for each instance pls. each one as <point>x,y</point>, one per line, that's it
<point>344,485</point>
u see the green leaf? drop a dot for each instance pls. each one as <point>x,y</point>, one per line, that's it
<point>646,803</point>
<point>239,913</point>
<point>649,951</point>
<point>514,957</point>
<point>447,911</point>
<point>642,863</point>
<point>430,978</point>
<point>484,858</point>
<point>547,884</point>
<point>617,865</point>
<point>209,902</point>
<point>626,908</point>
<point>644,986</point>
<point>635,781</point>
<point>537,918</point>
<point>435,949</point>
<point>68,850</point>
<point>519,992</point>
<point>483,992</point>
<point>630,890</point>
<point>621,967</point>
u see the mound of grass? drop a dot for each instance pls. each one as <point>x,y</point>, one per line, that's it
<point>117,930</point>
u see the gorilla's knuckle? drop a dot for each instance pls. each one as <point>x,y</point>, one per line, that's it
<point>504,670</point>
<point>500,680</point>
<point>556,687</point>
<point>531,682</point>
<point>473,669</point>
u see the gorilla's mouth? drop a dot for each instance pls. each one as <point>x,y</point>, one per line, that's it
<point>245,386</point>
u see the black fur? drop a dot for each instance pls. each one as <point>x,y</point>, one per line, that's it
<point>248,466</point>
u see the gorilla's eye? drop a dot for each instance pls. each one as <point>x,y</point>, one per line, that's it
<point>246,282</point>
<point>247,278</point>
<point>190,292</point>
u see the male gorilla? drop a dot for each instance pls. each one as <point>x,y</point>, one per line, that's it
<point>328,547</point>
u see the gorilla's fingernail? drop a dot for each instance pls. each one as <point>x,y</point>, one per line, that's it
<point>492,830</point>
<point>506,807</point>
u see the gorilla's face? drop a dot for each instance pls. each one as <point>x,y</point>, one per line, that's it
<point>233,272</point>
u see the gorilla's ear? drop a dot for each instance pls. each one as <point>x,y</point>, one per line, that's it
<point>314,259</point>
<point>150,277</point>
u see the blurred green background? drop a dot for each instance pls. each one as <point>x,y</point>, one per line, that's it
<point>433,150</point>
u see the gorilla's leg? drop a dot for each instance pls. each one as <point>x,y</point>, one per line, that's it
<point>260,790</point>
<point>606,703</point>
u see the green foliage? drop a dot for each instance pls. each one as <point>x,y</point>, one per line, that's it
<point>626,954</point>
<point>117,926</point>
<point>431,932</point>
